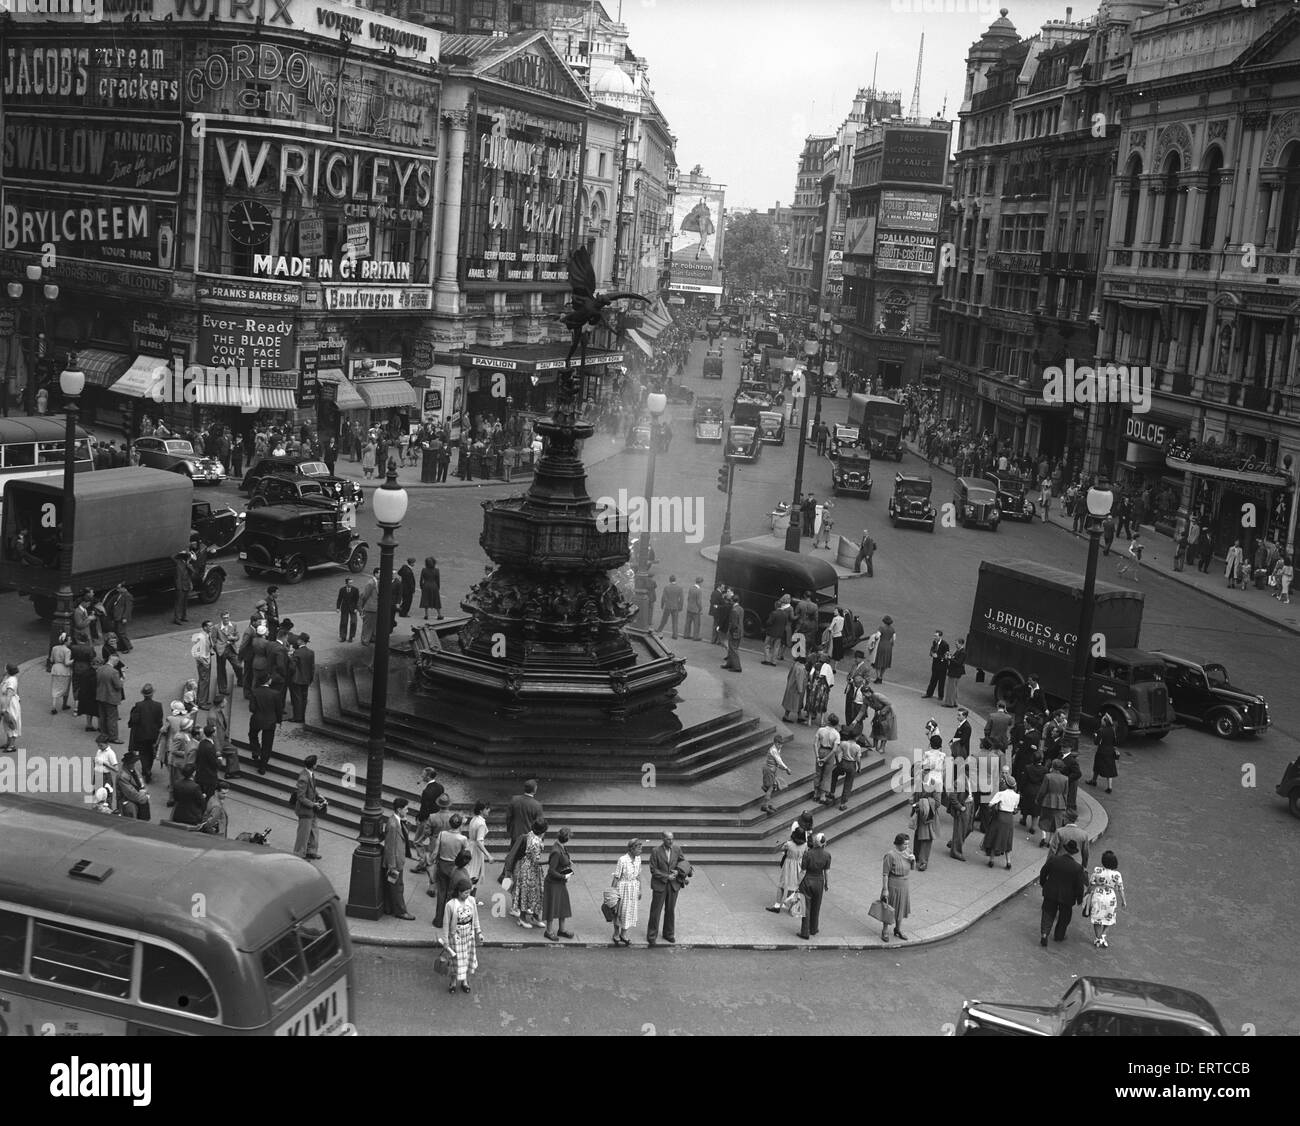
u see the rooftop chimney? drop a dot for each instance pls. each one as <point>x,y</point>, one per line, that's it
<point>1068,13</point>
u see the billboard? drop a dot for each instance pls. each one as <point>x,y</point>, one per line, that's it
<point>697,240</point>
<point>40,72</point>
<point>92,228</point>
<point>907,253</point>
<point>138,156</point>
<point>915,155</point>
<point>910,211</point>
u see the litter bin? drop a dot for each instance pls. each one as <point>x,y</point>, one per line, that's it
<point>1261,579</point>
<point>428,466</point>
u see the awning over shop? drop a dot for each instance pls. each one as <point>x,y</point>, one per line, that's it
<point>1268,480</point>
<point>382,394</point>
<point>102,367</point>
<point>218,394</point>
<point>140,378</point>
<point>636,339</point>
<point>345,395</point>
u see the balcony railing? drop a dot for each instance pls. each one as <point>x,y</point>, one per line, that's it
<point>1121,257</point>
<point>1160,259</point>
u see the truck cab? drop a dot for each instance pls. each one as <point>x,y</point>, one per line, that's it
<point>880,420</point>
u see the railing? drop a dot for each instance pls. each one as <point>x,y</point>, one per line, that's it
<point>1121,257</point>
<point>1200,261</point>
<point>1160,259</point>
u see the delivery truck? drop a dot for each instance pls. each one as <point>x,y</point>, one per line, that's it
<point>1026,621</point>
<point>128,525</point>
<point>879,420</point>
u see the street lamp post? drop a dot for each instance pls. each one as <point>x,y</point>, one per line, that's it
<point>828,332</point>
<point>366,889</point>
<point>656,404</point>
<point>71,383</point>
<point>794,530</point>
<point>1099,502</point>
<point>51,293</point>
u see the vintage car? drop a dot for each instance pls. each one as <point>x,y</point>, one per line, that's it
<point>975,501</point>
<point>1289,787</point>
<point>215,528</point>
<point>754,391</point>
<point>910,503</point>
<point>713,363</point>
<point>639,435</point>
<point>760,575</point>
<point>708,420</point>
<point>771,427</point>
<point>177,456</point>
<point>743,443</point>
<point>852,473</point>
<point>289,539</point>
<point>1013,496</point>
<point>678,393</point>
<point>846,436</point>
<point>1201,693</point>
<point>746,412</point>
<point>1099,1006</point>
<point>340,487</point>
<point>280,488</point>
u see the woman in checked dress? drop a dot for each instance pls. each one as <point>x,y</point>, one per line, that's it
<point>528,877</point>
<point>627,878</point>
<point>462,933</point>
<point>1107,889</point>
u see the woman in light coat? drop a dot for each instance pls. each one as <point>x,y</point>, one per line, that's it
<point>60,674</point>
<point>1232,565</point>
<point>476,831</point>
<point>627,879</point>
<point>796,686</point>
<point>11,708</point>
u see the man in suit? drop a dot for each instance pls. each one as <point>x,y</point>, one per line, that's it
<point>1070,832</point>
<point>1063,884</point>
<point>694,608</point>
<point>522,811</point>
<point>430,793</point>
<point>938,665</point>
<point>671,604</point>
<point>668,872</point>
<point>302,671</point>
<point>1073,772</point>
<point>308,806</point>
<point>145,724</point>
<point>735,631</point>
<point>108,694</point>
<point>207,763</point>
<point>406,587</point>
<point>997,728</point>
<point>816,863</point>
<point>346,604</point>
<point>201,651</point>
<point>368,603</point>
<point>961,736</point>
<point>718,611</point>
<point>397,849</point>
<point>272,610</point>
<point>225,645</point>
<point>188,798</point>
<point>184,584</point>
<point>119,604</point>
<point>219,717</point>
<point>265,714</point>
<point>866,553</point>
<point>132,797</point>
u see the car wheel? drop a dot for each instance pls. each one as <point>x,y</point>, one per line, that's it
<point>357,560</point>
<point>251,572</point>
<point>44,606</point>
<point>212,588</point>
<point>866,495</point>
<point>1158,735</point>
<point>1003,688</point>
<point>994,526</point>
<point>1226,725</point>
<point>295,570</point>
<point>257,502</point>
<point>930,527</point>
<point>182,471</point>
<point>753,627</point>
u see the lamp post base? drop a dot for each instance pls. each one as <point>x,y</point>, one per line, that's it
<point>794,533</point>
<point>366,887</point>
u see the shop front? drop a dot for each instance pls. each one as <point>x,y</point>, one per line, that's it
<point>1139,451</point>
<point>1239,499</point>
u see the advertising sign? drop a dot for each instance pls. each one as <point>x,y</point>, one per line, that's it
<point>697,237</point>
<point>431,407</point>
<point>95,228</point>
<point>30,1016</point>
<point>375,367</point>
<point>92,276</point>
<point>860,237</point>
<point>215,289</point>
<point>1147,431</point>
<point>311,237</point>
<point>910,211</point>
<point>915,155</point>
<point>911,254</point>
<point>44,73</point>
<point>247,340</point>
<point>153,336</point>
<point>140,157</point>
<point>378,299</point>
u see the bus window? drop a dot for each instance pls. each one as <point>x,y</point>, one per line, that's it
<point>282,966</point>
<point>82,959</point>
<point>13,941</point>
<point>20,455</point>
<point>51,453</point>
<point>171,982</point>
<point>320,940</point>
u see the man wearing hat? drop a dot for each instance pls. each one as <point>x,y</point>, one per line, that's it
<point>272,610</point>
<point>694,608</point>
<point>397,849</point>
<point>309,806</point>
<point>302,671</point>
<point>216,820</point>
<point>145,723</point>
<point>406,587</point>
<point>132,797</point>
<point>264,716</point>
<point>735,631</point>
<point>1063,884</point>
<point>108,694</point>
<point>207,763</point>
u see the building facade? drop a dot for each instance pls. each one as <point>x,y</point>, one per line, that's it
<point>802,286</point>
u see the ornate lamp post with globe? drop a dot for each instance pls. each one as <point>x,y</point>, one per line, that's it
<point>1099,503</point>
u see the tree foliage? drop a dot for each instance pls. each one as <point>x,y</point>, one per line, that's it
<point>754,257</point>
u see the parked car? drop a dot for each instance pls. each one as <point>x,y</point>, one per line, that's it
<point>1013,500</point>
<point>910,503</point>
<point>1289,787</point>
<point>678,393</point>
<point>708,419</point>
<point>760,575</point>
<point>771,427</point>
<point>341,488</point>
<point>846,436</point>
<point>753,391</point>
<point>280,488</point>
<point>1099,1006</point>
<point>743,443</point>
<point>216,528</point>
<point>639,435</point>
<point>852,473</point>
<point>290,539</point>
<point>713,363</point>
<point>177,456</point>
<point>1202,693</point>
<point>976,503</point>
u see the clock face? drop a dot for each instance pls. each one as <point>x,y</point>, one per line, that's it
<point>249,223</point>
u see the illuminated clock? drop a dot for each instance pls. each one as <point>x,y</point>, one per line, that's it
<point>249,223</point>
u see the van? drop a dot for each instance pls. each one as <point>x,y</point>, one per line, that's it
<point>976,503</point>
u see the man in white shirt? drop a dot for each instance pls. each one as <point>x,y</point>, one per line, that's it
<point>825,745</point>
<point>201,651</point>
<point>848,758</point>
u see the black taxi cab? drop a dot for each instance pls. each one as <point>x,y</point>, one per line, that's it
<point>1201,692</point>
<point>852,472</point>
<point>771,427</point>
<point>975,501</point>
<point>743,443</point>
<point>290,539</point>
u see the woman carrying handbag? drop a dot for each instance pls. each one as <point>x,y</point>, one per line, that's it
<point>895,903</point>
<point>627,883</point>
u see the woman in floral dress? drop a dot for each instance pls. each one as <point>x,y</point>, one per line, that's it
<point>791,873</point>
<point>1107,891</point>
<point>627,878</point>
<point>462,933</point>
<point>528,877</point>
<point>11,708</point>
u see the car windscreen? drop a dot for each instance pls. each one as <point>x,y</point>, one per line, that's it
<point>1011,485</point>
<point>919,489</point>
<point>980,496</point>
<point>314,469</point>
<point>179,448</point>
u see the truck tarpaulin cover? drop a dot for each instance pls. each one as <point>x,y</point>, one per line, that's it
<point>1024,609</point>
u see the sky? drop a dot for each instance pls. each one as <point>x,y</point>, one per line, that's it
<point>743,82</point>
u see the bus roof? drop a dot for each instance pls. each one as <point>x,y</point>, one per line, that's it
<point>251,894</point>
<point>34,429</point>
<point>132,480</point>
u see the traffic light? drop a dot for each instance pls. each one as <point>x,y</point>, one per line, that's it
<point>724,479</point>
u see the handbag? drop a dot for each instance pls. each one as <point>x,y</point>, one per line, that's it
<point>793,905</point>
<point>882,912</point>
<point>444,966</point>
<point>1087,904</point>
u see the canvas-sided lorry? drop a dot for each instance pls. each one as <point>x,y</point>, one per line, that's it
<point>879,420</point>
<point>1026,620</point>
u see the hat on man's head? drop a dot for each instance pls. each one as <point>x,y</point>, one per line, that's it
<point>444,802</point>
<point>1071,846</point>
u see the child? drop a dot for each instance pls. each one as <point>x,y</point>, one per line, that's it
<point>1135,554</point>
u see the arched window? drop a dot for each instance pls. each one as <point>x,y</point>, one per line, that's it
<point>1169,216</point>
<point>1134,199</point>
<point>1213,178</point>
<point>1290,215</point>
